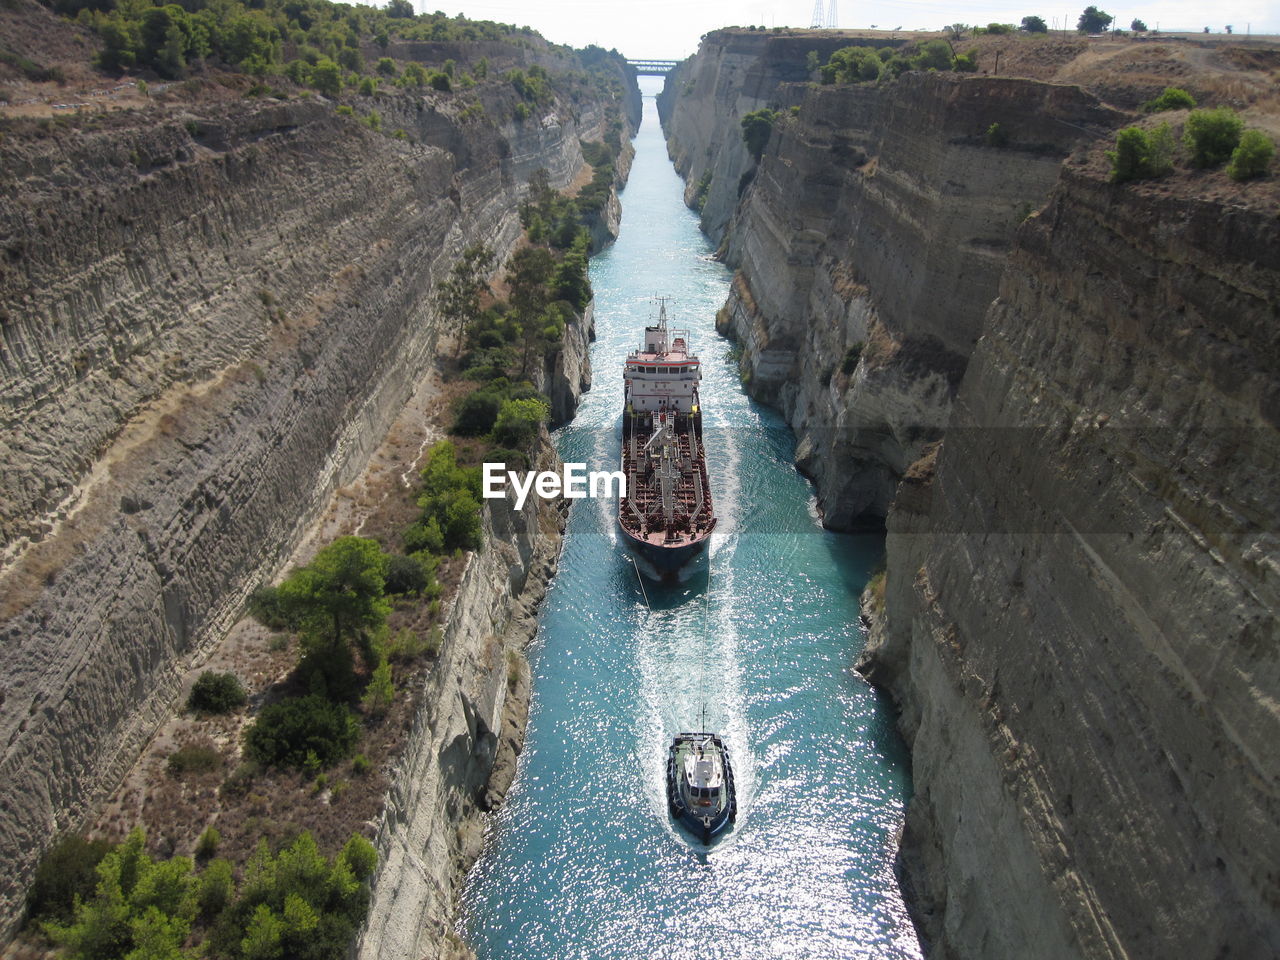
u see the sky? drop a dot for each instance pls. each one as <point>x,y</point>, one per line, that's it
<point>670,29</point>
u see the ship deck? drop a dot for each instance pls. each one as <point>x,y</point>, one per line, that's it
<point>669,497</point>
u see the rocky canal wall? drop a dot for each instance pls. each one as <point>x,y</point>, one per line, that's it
<point>208,320</point>
<point>1062,393</point>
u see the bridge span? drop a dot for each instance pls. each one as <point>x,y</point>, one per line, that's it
<point>653,68</point>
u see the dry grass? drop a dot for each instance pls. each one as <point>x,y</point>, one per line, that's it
<point>1126,72</point>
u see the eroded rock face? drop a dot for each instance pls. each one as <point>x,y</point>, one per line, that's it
<point>1083,598</point>
<point>208,324</point>
<point>430,832</point>
<point>869,241</point>
<point>1067,394</point>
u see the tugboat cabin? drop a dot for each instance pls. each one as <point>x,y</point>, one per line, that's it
<point>703,778</point>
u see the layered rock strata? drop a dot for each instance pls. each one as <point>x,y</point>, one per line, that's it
<point>208,323</point>
<point>1071,415</point>
<point>869,239</point>
<point>1083,592</point>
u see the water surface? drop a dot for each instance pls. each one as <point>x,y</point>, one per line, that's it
<point>583,862</point>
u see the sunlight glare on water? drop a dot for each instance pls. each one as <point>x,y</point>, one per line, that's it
<point>583,862</point>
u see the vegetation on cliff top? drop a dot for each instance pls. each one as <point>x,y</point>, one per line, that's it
<point>296,904</point>
<point>257,37</point>
<point>1210,138</point>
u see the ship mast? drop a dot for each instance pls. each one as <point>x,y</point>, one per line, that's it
<point>662,323</point>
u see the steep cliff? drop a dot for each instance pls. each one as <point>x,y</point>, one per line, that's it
<point>211,314</point>
<point>1083,593</point>
<point>461,752</point>
<point>705,97</point>
<point>869,240</point>
<point>1064,393</point>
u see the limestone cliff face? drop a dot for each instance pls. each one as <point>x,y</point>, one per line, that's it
<point>208,324</point>
<point>1066,395</point>
<point>1083,594</point>
<point>869,241</point>
<point>703,102</point>
<point>429,833</point>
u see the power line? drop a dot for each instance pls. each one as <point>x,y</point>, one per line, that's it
<point>816,21</point>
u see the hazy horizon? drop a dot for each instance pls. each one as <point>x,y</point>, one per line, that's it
<point>670,29</point>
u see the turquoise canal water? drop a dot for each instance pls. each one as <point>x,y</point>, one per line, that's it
<point>583,862</point>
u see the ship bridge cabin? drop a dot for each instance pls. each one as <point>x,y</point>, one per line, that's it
<point>663,377</point>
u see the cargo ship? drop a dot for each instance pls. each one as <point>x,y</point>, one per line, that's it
<point>667,513</point>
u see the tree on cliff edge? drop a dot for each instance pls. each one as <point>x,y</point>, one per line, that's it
<point>459,294</point>
<point>337,599</point>
<point>1094,20</point>
<point>1034,25</point>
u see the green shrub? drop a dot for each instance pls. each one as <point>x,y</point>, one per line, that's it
<point>286,732</point>
<point>440,81</point>
<point>381,692</point>
<point>428,537</point>
<point>194,758</point>
<point>269,610</point>
<point>1212,135</point>
<point>386,66</point>
<point>1173,98</point>
<point>406,575</point>
<point>852,65</point>
<point>477,412</point>
<point>215,889</point>
<point>451,498</point>
<point>360,856</point>
<point>1252,157</point>
<point>965,63</point>
<point>1141,155</point>
<point>757,127</point>
<point>67,872</point>
<point>360,765</point>
<point>932,55</point>
<point>517,423</point>
<point>216,693</point>
<point>435,639</point>
<point>996,136</point>
<point>326,76</point>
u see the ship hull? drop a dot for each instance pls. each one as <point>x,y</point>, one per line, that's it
<point>664,559</point>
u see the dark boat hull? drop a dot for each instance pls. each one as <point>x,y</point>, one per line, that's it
<point>664,559</point>
<point>704,828</point>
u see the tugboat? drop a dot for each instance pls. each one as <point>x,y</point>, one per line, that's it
<point>700,791</point>
<point>667,513</point>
